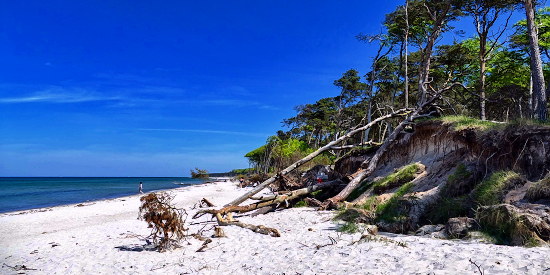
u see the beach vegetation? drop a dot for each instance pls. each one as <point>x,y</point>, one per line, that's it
<point>538,190</point>
<point>401,176</point>
<point>300,203</point>
<point>167,222</point>
<point>348,227</point>
<point>458,183</point>
<point>390,210</point>
<point>446,208</point>
<point>507,226</point>
<point>491,190</point>
<point>462,122</point>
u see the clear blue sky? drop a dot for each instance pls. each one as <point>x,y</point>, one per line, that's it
<point>155,88</point>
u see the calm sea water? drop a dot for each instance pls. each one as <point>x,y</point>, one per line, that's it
<point>28,193</point>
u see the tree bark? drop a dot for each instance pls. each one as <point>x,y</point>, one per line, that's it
<point>423,77</point>
<point>539,91</point>
<point>269,200</point>
<point>406,53</point>
<point>309,157</point>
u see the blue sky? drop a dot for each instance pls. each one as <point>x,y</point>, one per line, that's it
<point>155,88</point>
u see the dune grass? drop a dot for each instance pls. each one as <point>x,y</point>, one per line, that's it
<point>401,176</point>
<point>539,190</point>
<point>491,190</point>
<point>463,122</point>
<point>389,210</point>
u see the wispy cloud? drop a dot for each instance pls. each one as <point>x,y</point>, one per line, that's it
<point>59,95</point>
<point>237,103</point>
<point>221,132</point>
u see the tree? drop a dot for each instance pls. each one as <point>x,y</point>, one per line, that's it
<point>351,90</point>
<point>427,19</point>
<point>485,14</point>
<point>199,173</point>
<point>539,92</point>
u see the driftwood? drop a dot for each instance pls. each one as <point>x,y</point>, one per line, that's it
<point>206,203</point>
<point>269,200</point>
<point>224,216</point>
<point>309,157</point>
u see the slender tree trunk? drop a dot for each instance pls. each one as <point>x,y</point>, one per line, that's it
<point>539,91</point>
<point>482,70</point>
<point>406,53</point>
<point>530,110</point>
<point>423,77</point>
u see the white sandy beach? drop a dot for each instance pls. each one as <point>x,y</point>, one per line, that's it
<point>104,237</point>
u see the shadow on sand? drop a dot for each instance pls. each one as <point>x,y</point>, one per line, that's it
<point>137,247</point>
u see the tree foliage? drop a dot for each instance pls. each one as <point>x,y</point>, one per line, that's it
<point>491,64</point>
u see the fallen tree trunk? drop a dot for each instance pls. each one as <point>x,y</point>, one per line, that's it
<point>309,157</point>
<point>224,216</point>
<point>269,200</point>
<point>362,174</point>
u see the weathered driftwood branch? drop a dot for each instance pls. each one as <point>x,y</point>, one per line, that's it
<point>206,203</point>
<point>273,232</point>
<point>362,174</point>
<point>269,200</point>
<point>351,146</point>
<point>309,157</point>
<point>230,221</point>
<point>224,216</point>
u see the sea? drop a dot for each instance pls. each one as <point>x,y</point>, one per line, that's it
<point>28,193</point>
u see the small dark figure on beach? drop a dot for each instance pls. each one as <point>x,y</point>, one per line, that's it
<point>140,187</point>
<point>241,180</point>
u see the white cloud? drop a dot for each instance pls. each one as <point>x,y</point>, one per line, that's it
<point>59,95</point>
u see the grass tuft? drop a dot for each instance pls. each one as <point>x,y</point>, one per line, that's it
<point>403,175</point>
<point>389,210</point>
<point>538,190</point>
<point>491,190</point>
<point>300,204</point>
<point>349,227</point>
<point>507,226</point>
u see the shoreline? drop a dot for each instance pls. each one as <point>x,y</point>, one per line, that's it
<point>107,197</point>
<point>90,202</point>
<point>106,237</point>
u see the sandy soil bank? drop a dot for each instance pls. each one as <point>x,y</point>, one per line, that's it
<point>106,237</point>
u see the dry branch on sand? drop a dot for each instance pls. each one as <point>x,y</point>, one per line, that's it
<point>166,221</point>
<point>224,216</point>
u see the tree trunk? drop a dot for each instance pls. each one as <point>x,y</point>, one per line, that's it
<point>423,77</point>
<point>309,157</point>
<point>539,91</point>
<point>482,69</point>
<point>406,53</point>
